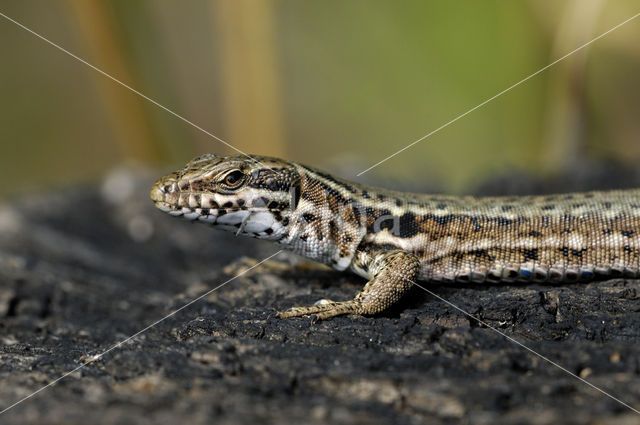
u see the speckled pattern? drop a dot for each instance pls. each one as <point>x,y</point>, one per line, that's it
<point>554,238</point>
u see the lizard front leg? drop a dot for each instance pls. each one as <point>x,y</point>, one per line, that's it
<point>393,272</point>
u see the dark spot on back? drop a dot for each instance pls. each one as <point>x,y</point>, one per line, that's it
<point>227,205</point>
<point>477,225</point>
<point>480,253</point>
<point>503,221</point>
<point>442,220</point>
<point>530,254</point>
<point>408,225</point>
<point>578,252</point>
<point>333,180</point>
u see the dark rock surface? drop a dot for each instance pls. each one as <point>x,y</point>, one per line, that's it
<point>83,269</point>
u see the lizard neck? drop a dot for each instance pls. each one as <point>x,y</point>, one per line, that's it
<point>328,222</point>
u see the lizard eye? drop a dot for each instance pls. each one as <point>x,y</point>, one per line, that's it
<point>233,178</point>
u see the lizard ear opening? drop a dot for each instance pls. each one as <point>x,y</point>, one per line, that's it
<point>295,192</point>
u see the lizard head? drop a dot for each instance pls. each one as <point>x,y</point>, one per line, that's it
<point>251,195</point>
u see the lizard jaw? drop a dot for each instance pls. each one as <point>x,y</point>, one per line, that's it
<point>256,220</point>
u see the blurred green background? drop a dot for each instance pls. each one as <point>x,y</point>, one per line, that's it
<point>335,84</point>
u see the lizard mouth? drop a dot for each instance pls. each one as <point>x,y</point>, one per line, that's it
<point>168,196</point>
<point>176,198</point>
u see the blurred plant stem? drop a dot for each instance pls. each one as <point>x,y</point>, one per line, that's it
<point>97,27</point>
<point>567,127</point>
<point>245,36</point>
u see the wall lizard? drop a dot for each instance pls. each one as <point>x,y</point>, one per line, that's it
<point>395,238</point>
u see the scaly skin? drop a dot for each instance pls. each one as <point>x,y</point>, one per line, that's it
<point>395,238</point>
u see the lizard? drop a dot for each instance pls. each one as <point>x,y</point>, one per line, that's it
<point>394,239</point>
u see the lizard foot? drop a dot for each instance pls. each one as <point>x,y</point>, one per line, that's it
<point>393,274</point>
